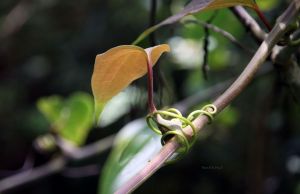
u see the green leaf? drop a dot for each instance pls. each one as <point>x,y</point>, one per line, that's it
<point>50,107</point>
<point>71,118</point>
<point>134,146</point>
<point>193,7</point>
<point>76,118</point>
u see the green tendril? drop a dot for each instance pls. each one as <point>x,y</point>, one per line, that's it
<point>170,123</point>
<point>208,110</point>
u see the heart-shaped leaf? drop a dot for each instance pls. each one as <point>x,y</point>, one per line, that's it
<point>134,146</point>
<point>115,69</point>
<point>196,6</point>
<point>71,118</point>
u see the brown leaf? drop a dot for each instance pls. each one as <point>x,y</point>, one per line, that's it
<point>115,69</point>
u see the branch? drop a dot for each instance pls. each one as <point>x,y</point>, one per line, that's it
<point>29,176</point>
<point>152,21</point>
<point>82,171</point>
<point>15,19</point>
<point>227,97</point>
<point>56,165</point>
<point>222,32</point>
<point>75,153</point>
<point>211,92</point>
<point>249,23</point>
<point>206,42</point>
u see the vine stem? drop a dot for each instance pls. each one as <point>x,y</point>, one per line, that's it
<point>263,18</point>
<point>151,104</point>
<point>222,101</point>
<point>249,23</point>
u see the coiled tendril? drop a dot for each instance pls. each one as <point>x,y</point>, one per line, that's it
<point>170,122</point>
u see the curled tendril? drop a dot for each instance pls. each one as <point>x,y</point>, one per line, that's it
<point>182,138</point>
<point>170,122</point>
<point>208,110</point>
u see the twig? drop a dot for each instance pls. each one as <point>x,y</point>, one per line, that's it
<point>230,94</point>
<point>249,23</point>
<point>56,165</point>
<point>222,32</point>
<point>152,21</point>
<point>211,92</point>
<point>206,43</point>
<point>16,18</point>
<point>74,153</point>
<point>25,177</point>
<point>158,79</point>
<point>82,171</point>
<point>27,165</point>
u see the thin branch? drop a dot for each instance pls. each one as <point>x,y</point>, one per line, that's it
<point>249,23</point>
<point>29,176</point>
<point>222,32</point>
<point>82,171</point>
<point>16,18</point>
<point>206,42</point>
<point>212,92</point>
<point>75,153</point>
<point>56,165</point>
<point>158,79</point>
<point>152,21</point>
<point>227,97</point>
<point>27,165</point>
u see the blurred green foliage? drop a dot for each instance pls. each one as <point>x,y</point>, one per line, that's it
<point>72,119</point>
